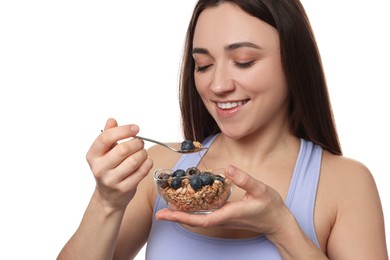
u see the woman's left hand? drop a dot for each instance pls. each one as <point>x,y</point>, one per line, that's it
<point>261,209</point>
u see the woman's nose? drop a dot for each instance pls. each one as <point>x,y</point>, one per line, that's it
<point>222,80</point>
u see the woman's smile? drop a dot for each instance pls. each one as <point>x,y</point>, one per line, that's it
<point>230,105</point>
<point>229,108</point>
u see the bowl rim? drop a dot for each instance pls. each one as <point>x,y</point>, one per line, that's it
<point>155,176</point>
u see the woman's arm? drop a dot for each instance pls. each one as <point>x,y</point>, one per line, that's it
<point>137,221</point>
<point>135,228</point>
<point>292,243</point>
<point>358,232</point>
<point>348,200</point>
<point>118,167</point>
<point>96,236</point>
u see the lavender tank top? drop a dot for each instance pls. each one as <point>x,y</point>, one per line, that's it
<point>169,240</point>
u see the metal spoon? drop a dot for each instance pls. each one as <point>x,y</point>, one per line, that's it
<point>195,150</point>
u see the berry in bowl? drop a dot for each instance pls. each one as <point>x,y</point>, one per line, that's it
<point>192,190</point>
<point>189,145</point>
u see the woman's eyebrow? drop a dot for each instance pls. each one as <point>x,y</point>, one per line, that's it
<point>229,47</point>
<point>237,45</point>
<point>200,51</point>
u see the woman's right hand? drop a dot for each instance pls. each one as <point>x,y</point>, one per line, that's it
<point>117,166</point>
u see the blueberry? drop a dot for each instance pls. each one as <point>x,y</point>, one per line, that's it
<point>195,182</point>
<point>176,183</point>
<point>206,179</point>
<point>179,173</point>
<point>187,145</point>
<point>162,180</point>
<point>219,178</point>
<point>192,171</point>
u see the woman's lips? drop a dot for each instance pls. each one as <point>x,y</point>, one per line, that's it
<point>227,109</point>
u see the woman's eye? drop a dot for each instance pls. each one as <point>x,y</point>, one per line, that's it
<point>244,65</point>
<point>202,68</point>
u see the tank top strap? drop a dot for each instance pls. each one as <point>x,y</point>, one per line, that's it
<point>303,187</point>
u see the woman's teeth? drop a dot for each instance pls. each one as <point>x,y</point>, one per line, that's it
<point>229,105</point>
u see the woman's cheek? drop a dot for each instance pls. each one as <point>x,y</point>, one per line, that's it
<point>201,83</point>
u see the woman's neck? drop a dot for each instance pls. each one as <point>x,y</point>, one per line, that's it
<point>256,149</point>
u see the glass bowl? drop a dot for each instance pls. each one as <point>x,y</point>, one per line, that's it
<point>193,191</point>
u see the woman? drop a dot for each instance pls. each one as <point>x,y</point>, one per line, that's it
<point>253,89</point>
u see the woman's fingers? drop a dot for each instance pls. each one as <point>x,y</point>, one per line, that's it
<point>118,162</point>
<point>108,155</point>
<point>109,137</point>
<point>124,151</point>
<point>129,165</point>
<point>135,177</point>
<point>110,123</point>
<point>216,218</point>
<point>185,218</point>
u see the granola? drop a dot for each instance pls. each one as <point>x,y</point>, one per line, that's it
<point>193,190</point>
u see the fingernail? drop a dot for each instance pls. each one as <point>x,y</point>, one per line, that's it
<point>134,128</point>
<point>158,216</point>
<point>231,171</point>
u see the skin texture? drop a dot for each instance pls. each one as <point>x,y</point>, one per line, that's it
<point>237,62</point>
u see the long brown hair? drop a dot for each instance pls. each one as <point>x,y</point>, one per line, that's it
<point>310,112</point>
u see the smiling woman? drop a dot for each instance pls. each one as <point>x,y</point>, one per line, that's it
<point>253,90</point>
<point>66,66</point>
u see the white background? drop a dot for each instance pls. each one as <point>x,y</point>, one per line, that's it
<point>66,66</point>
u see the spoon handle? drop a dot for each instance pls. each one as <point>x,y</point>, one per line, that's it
<point>156,142</point>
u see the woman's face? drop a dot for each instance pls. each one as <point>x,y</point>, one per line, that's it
<point>238,71</point>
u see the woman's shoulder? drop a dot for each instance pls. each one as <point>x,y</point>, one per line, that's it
<point>344,169</point>
<point>345,181</point>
